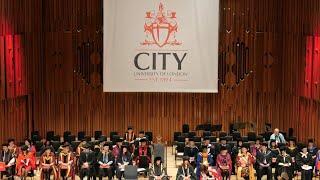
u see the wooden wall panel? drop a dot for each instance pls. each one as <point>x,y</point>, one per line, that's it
<point>2,70</point>
<point>265,63</point>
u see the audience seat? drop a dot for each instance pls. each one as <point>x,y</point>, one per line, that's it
<point>192,134</point>
<point>131,172</point>
<point>197,139</point>
<point>149,135</point>
<point>56,138</point>
<point>56,145</point>
<point>236,135</point>
<point>81,135</point>
<point>112,133</point>
<point>49,135</point>
<point>206,134</point>
<point>97,134</point>
<point>70,138</point>
<point>222,134</point>
<point>244,138</point>
<point>252,136</point>
<point>176,135</point>
<point>66,135</point>
<point>213,139</point>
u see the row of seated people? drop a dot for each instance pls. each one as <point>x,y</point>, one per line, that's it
<point>102,160</point>
<point>221,160</point>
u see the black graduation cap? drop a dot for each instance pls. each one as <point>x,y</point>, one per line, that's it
<point>10,140</point>
<point>119,140</point>
<point>283,148</point>
<point>124,146</point>
<point>158,158</point>
<point>239,139</point>
<point>246,145</point>
<point>272,140</point>
<point>143,140</point>
<point>185,158</point>
<point>223,148</point>
<point>302,145</point>
<point>130,128</point>
<point>293,139</point>
<point>223,139</point>
<point>259,138</point>
<point>86,146</point>
<point>24,148</point>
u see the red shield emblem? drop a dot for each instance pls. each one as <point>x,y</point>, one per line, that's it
<point>160,28</point>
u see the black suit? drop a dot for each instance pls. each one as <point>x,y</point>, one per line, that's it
<point>264,161</point>
<point>305,159</point>
<point>6,157</point>
<point>86,157</point>
<point>109,159</point>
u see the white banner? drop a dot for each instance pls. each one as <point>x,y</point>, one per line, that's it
<point>161,45</point>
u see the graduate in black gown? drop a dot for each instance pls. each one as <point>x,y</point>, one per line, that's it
<point>186,171</point>
<point>305,163</point>
<point>158,171</point>
<point>86,162</point>
<point>192,152</point>
<point>123,160</point>
<point>284,168</point>
<point>293,150</point>
<point>264,161</point>
<point>106,162</point>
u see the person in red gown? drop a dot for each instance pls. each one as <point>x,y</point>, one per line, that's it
<point>66,163</point>
<point>47,165</point>
<point>26,162</point>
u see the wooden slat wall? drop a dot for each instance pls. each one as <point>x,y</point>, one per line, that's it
<point>262,76</point>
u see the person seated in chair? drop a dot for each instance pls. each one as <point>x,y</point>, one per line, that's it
<point>7,162</point>
<point>26,163</point>
<point>191,151</point>
<point>224,163</point>
<point>264,160</point>
<point>293,151</point>
<point>186,171</point>
<point>130,135</point>
<point>204,159</point>
<point>47,165</point>
<point>234,153</point>
<point>143,155</point>
<point>66,163</point>
<point>223,143</point>
<point>123,160</point>
<point>255,148</point>
<point>106,162</point>
<point>245,162</point>
<point>312,148</point>
<point>158,171</point>
<point>117,148</point>
<point>86,162</point>
<point>284,168</point>
<point>305,163</point>
<point>31,147</point>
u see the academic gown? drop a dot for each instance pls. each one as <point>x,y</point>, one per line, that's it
<point>305,159</point>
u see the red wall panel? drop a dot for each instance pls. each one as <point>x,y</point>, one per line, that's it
<point>2,70</point>
<point>10,75</point>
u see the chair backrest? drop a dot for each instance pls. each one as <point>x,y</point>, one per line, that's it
<point>149,135</point>
<point>185,128</point>
<point>197,139</point>
<point>97,134</point>
<point>50,135</point>
<point>222,134</point>
<point>252,136</point>
<point>66,134</point>
<point>176,135</point>
<point>180,147</point>
<point>131,172</point>
<point>206,134</point>
<point>81,135</point>
<point>112,134</point>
